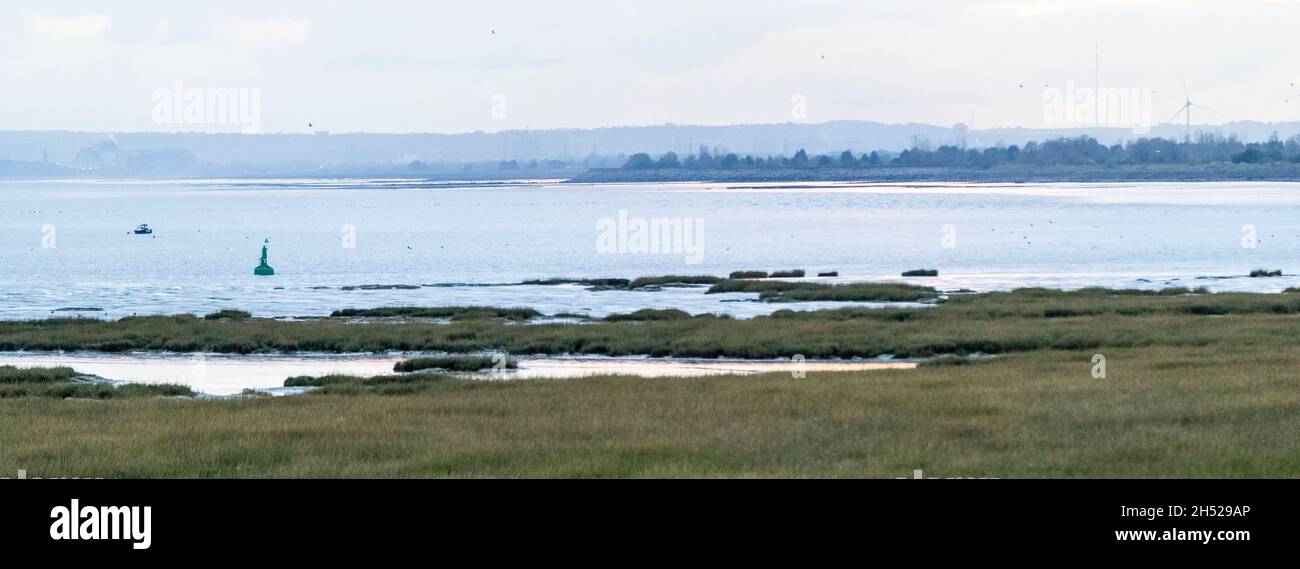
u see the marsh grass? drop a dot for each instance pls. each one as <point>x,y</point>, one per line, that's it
<point>1164,411</point>
<point>857,292</point>
<point>443,312</point>
<point>453,362</point>
<point>615,283</point>
<point>646,314</point>
<point>633,284</point>
<point>13,374</point>
<point>228,314</point>
<point>375,385</point>
<point>672,280</point>
<point>65,383</point>
<point>786,291</point>
<point>991,323</point>
<point>320,381</point>
<point>1198,385</point>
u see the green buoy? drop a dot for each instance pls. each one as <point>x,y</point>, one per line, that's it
<point>264,269</point>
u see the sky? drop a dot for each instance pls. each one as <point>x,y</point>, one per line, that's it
<point>443,66</point>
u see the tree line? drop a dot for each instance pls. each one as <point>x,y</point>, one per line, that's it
<point>1084,150</point>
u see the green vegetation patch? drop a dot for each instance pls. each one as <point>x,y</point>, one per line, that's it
<point>612,283</point>
<point>65,383</point>
<point>996,322</point>
<point>454,362</point>
<point>404,384</point>
<point>1162,411</point>
<point>785,291</point>
<point>673,280</point>
<point>441,312</point>
<point>650,314</point>
<point>12,374</point>
<point>228,314</point>
<point>634,284</point>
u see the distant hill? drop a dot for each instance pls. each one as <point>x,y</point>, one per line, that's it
<point>240,154</point>
<point>558,144</point>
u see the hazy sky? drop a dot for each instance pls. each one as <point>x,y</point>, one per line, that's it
<point>436,66</point>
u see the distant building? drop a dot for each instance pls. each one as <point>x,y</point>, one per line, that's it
<point>107,156</point>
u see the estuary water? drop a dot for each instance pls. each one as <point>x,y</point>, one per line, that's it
<point>67,247</point>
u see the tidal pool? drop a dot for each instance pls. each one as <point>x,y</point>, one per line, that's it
<point>222,374</point>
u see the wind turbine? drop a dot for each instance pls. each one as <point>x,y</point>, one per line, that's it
<point>1186,110</point>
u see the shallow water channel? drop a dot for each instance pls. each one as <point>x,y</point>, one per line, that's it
<point>223,374</point>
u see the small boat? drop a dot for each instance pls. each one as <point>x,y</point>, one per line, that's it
<point>143,229</point>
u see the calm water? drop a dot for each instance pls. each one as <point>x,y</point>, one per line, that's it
<point>223,374</point>
<point>68,243</point>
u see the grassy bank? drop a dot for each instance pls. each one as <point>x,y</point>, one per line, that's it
<point>439,313</point>
<point>787,291</point>
<point>456,362</point>
<point>66,383</point>
<point>405,384</point>
<point>1197,384</point>
<point>1162,412</point>
<point>1026,320</point>
<point>639,283</point>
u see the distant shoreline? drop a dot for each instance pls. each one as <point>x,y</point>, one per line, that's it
<point>1218,172</point>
